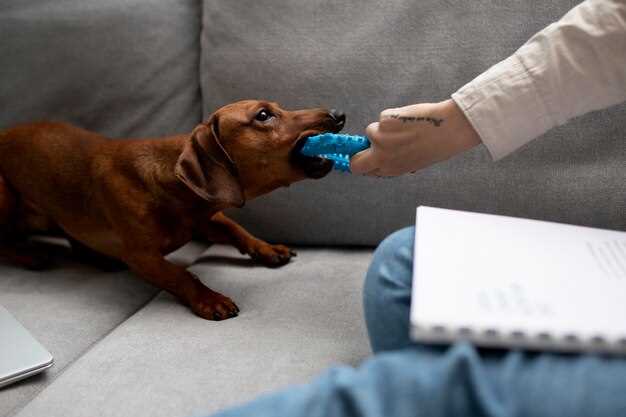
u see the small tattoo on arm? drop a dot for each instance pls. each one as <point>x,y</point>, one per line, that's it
<point>404,119</point>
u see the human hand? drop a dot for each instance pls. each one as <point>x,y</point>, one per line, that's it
<point>410,138</point>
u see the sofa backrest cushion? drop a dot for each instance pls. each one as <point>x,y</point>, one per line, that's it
<point>363,56</point>
<point>119,67</point>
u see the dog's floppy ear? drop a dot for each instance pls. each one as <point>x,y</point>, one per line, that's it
<point>206,168</point>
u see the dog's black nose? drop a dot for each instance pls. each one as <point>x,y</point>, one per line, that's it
<point>338,117</point>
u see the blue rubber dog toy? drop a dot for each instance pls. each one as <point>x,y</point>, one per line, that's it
<point>338,148</point>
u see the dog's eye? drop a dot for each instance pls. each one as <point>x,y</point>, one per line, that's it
<point>263,115</point>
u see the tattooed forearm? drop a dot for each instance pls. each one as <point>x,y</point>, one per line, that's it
<point>435,122</point>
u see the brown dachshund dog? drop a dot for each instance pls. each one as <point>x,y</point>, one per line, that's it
<point>137,200</point>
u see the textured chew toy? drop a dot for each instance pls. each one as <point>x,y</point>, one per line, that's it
<point>338,148</point>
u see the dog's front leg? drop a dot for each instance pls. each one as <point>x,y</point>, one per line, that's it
<point>175,279</point>
<point>221,229</point>
<point>144,238</point>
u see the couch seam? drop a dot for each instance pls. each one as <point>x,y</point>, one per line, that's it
<point>88,349</point>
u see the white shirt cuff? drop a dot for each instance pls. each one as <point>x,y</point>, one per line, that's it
<point>504,107</point>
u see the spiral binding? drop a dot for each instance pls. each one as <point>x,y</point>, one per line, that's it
<point>566,341</point>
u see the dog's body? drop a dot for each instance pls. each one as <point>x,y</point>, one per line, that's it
<point>138,200</point>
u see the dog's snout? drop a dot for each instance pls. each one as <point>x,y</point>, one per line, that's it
<point>338,117</point>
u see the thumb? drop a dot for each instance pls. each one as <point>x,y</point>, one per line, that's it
<point>363,162</point>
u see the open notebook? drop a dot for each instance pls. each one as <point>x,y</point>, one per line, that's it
<point>502,281</point>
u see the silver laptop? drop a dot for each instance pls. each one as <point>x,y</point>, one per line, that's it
<point>20,354</point>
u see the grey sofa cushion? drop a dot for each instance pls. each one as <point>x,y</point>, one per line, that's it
<point>164,361</point>
<point>68,309</point>
<point>363,56</point>
<point>120,67</point>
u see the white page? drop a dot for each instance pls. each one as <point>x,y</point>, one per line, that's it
<point>488,273</point>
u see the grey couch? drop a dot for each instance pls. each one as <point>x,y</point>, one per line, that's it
<point>156,67</point>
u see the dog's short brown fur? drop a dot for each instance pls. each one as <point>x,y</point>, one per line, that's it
<point>137,200</point>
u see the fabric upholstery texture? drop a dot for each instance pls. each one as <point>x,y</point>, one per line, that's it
<point>363,56</point>
<point>154,67</point>
<point>118,67</point>
<point>69,308</point>
<point>164,361</point>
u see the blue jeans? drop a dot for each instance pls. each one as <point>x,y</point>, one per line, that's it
<point>406,379</point>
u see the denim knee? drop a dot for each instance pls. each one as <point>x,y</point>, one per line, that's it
<point>387,292</point>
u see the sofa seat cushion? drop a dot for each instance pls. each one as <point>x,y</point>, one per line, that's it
<point>69,308</point>
<point>164,361</point>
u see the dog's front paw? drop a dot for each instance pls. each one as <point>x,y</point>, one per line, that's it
<point>271,255</point>
<point>212,305</point>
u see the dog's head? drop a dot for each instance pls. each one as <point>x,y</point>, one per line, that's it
<point>250,148</point>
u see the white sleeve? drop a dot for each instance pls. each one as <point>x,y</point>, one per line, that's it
<point>571,67</point>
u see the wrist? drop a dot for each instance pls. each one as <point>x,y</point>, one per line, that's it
<point>460,131</point>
